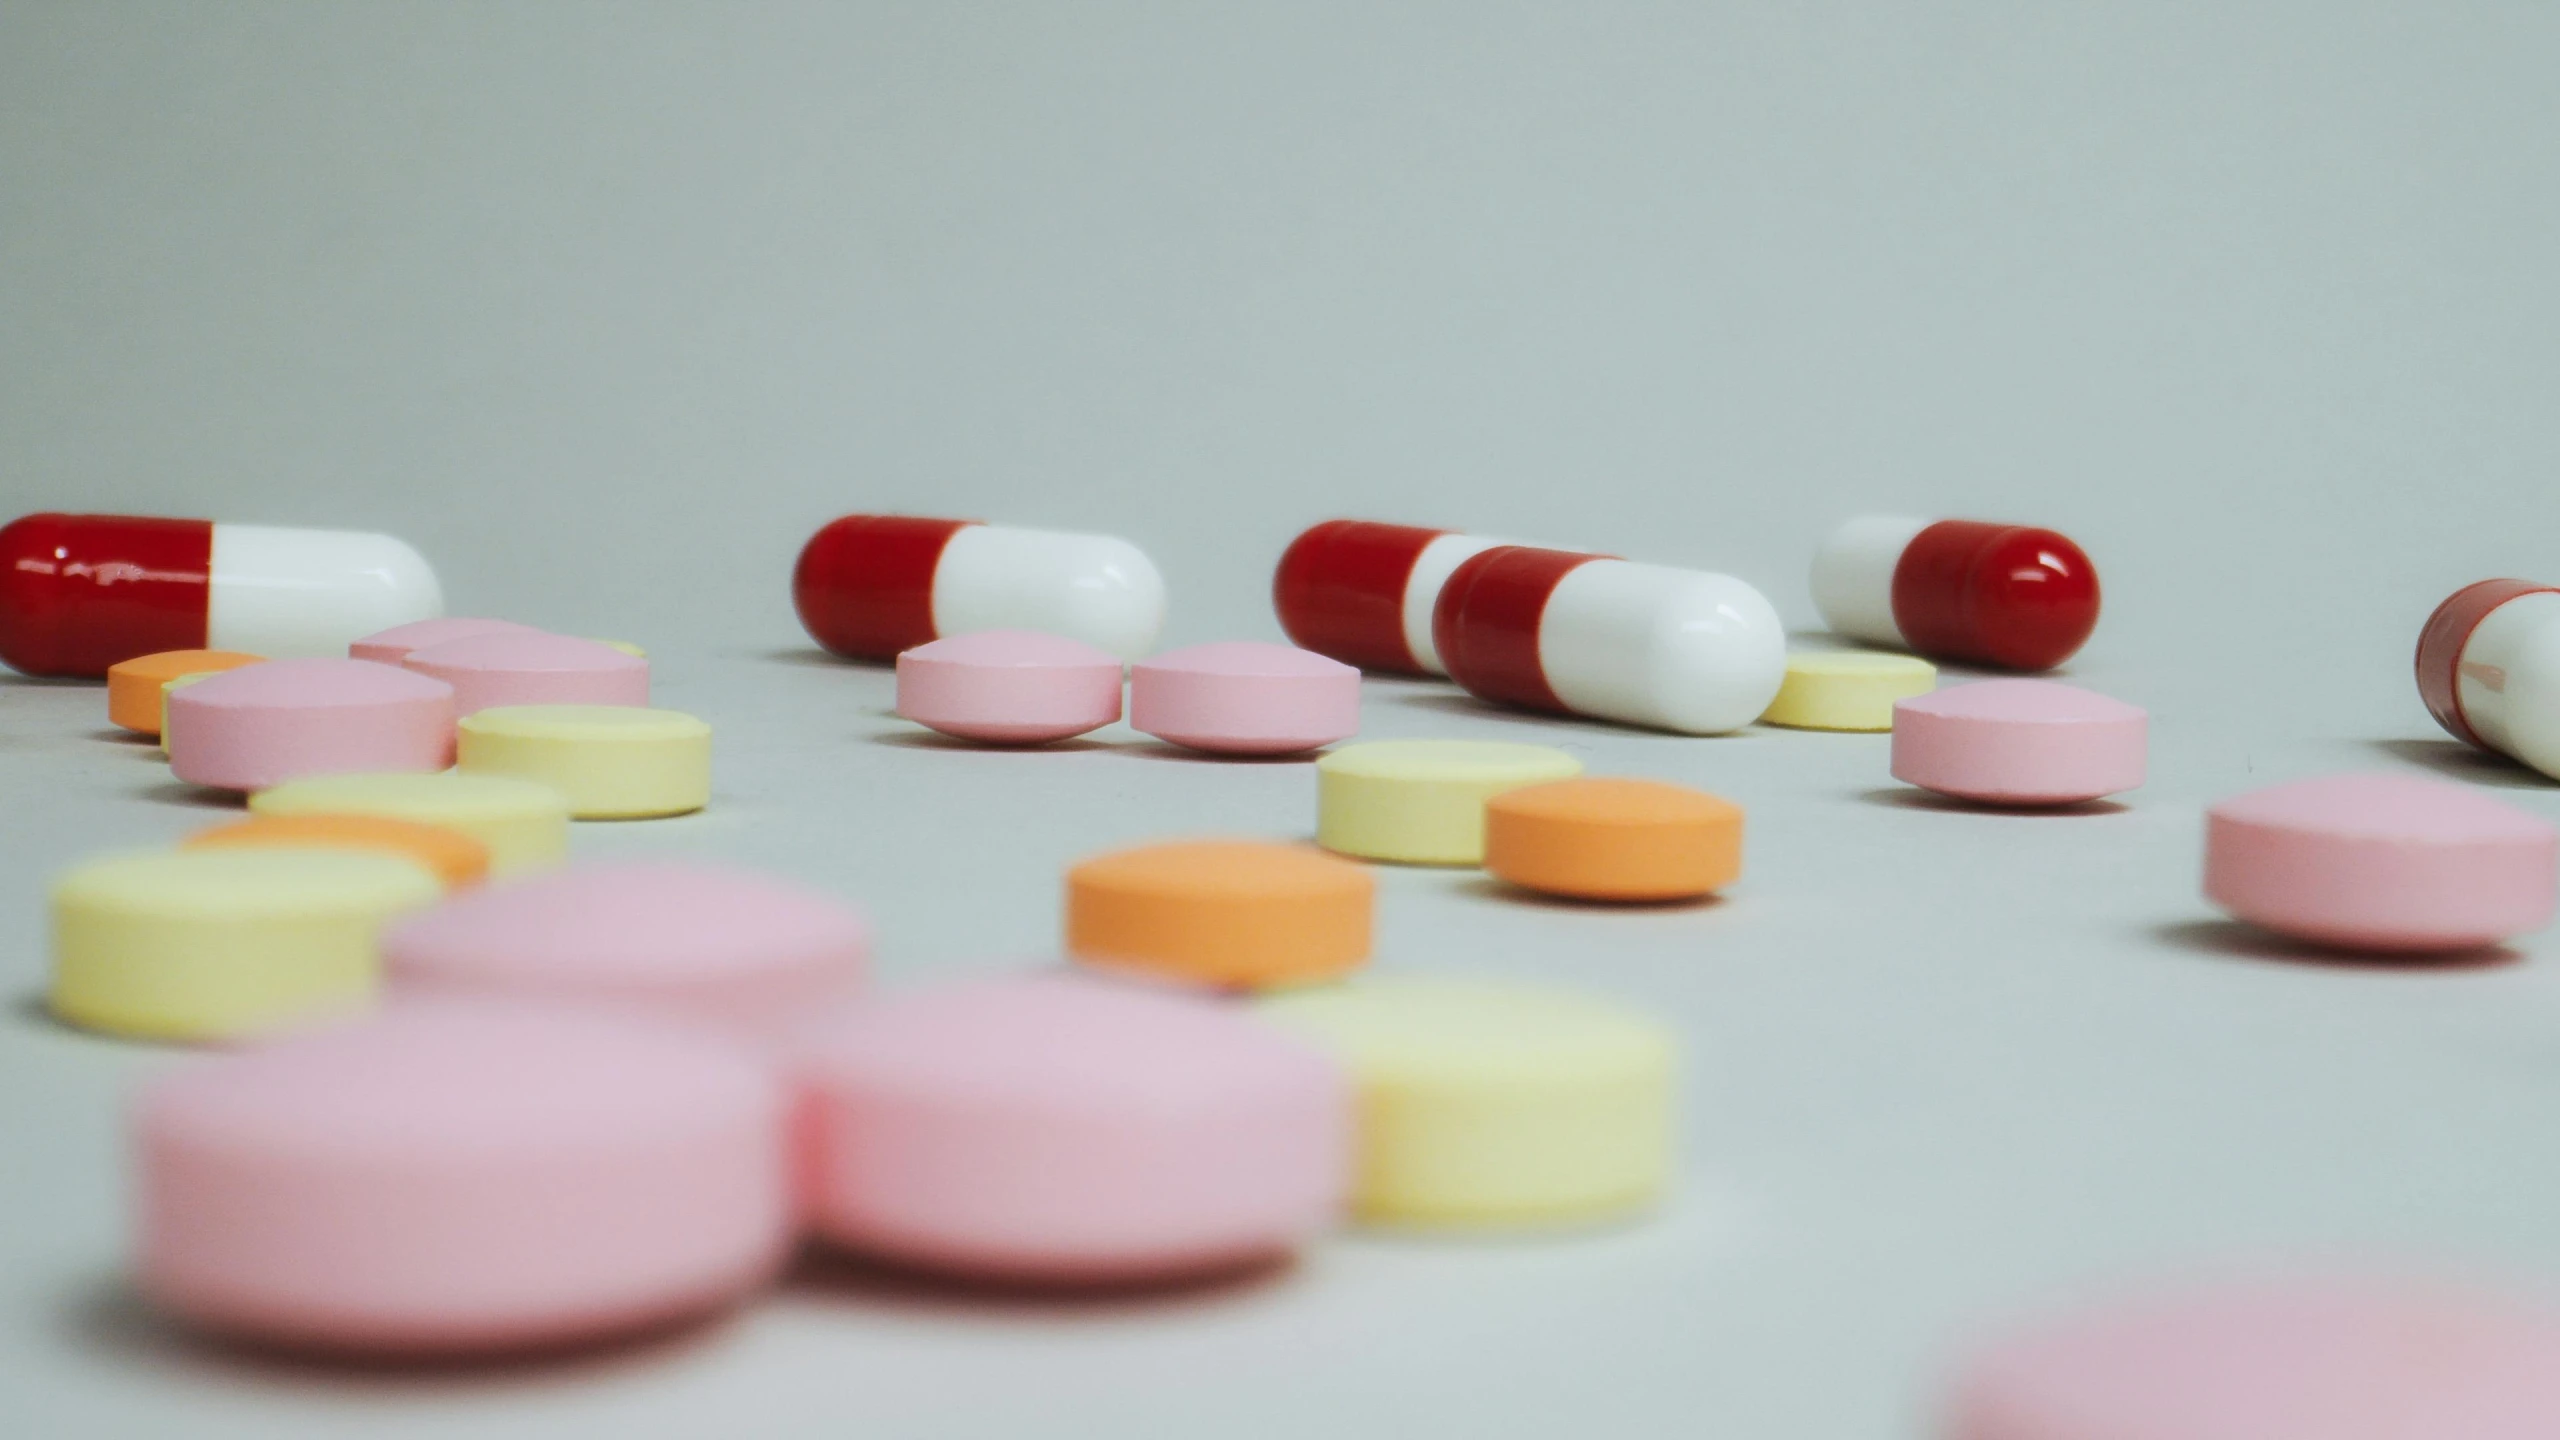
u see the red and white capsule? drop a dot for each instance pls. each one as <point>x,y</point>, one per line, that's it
<point>2489,669</point>
<point>1363,591</point>
<point>2008,596</point>
<point>79,593</point>
<point>1684,650</point>
<point>870,586</point>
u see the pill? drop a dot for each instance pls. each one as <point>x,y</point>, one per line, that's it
<point>133,686</point>
<point>532,667</point>
<point>1243,697</point>
<point>1421,802</point>
<point>1046,1129</point>
<point>695,942</point>
<point>1492,1104</point>
<point>1009,687</point>
<point>1612,839</point>
<point>172,686</point>
<point>626,647</point>
<point>525,825</point>
<point>1556,630</point>
<point>611,762</point>
<point>2019,742</point>
<point>216,943</point>
<point>463,1177</point>
<point>390,647</point>
<point>2381,862</point>
<point>1847,689</point>
<point>455,858</point>
<point>2308,1358</point>
<point>2489,669</point>
<point>1362,591</point>
<point>1243,913</point>
<point>262,725</point>
<point>80,592</point>
<point>870,586</point>
<point>2010,596</point>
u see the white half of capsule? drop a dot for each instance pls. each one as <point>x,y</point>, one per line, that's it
<point>1684,650</point>
<point>1099,589</point>
<point>287,593</point>
<point>1431,571</point>
<point>1853,577</point>
<point>2509,680</point>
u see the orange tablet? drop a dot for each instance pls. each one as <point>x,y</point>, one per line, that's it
<point>1596,839</point>
<point>133,686</point>
<point>455,858</point>
<point>1239,913</point>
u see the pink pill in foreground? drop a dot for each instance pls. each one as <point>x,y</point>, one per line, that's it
<point>264,724</point>
<point>2381,862</point>
<point>1244,697</point>
<point>1054,1129</point>
<point>457,1176</point>
<point>532,667</point>
<point>390,647</point>
<point>2019,742</point>
<point>1009,687</point>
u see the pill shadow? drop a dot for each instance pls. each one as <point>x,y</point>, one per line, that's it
<point>2237,940</point>
<point>179,792</point>
<point>921,739</point>
<point>2457,761</point>
<point>1461,703</point>
<point>138,743</point>
<point>829,1274</point>
<point>817,659</point>
<point>1487,887</point>
<point>1163,750</point>
<point>47,682</point>
<point>1911,797</point>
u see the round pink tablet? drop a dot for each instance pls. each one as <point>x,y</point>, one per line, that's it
<point>1048,1128</point>
<point>2333,1360</point>
<point>2381,862</point>
<point>454,1175</point>
<point>390,647</point>
<point>2019,742</point>
<point>1245,697</point>
<point>1009,687</point>
<point>532,667</point>
<point>696,942</point>
<point>264,724</point>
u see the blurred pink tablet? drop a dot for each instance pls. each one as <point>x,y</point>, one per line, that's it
<point>2019,742</point>
<point>390,647</point>
<point>264,724</point>
<point>459,1176</point>
<point>1009,687</point>
<point>695,942</point>
<point>532,667</point>
<point>2381,862</point>
<point>1048,1128</point>
<point>1244,697</point>
<point>2332,1360</point>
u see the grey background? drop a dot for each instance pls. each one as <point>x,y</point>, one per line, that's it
<point>605,307</point>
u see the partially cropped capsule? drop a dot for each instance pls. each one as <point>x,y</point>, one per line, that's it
<point>1363,591</point>
<point>870,586</point>
<point>79,593</point>
<point>1592,635</point>
<point>2489,669</point>
<point>2009,596</point>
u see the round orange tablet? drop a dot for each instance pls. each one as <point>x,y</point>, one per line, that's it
<point>133,686</point>
<point>1239,913</point>
<point>456,858</point>
<point>1613,839</point>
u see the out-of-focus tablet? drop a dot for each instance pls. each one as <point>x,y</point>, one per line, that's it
<point>457,1177</point>
<point>626,647</point>
<point>133,686</point>
<point>390,647</point>
<point>261,725</point>
<point>532,667</point>
<point>612,762</point>
<point>1491,1104</point>
<point>1847,689</point>
<point>1221,912</point>
<point>525,825</point>
<point>1243,697</point>
<point>1009,687</point>
<point>1044,1128</point>
<point>699,943</point>
<point>2019,742</point>
<point>1421,802</point>
<point>1596,839</point>
<point>456,858</point>
<point>2381,862</point>
<point>216,943</point>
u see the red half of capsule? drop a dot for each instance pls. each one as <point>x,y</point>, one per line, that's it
<point>1340,589</point>
<point>1486,624</point>
<point>79,593</point>
<point>2011,596</point>
<point>2441,643</point>
<point>864,584</point>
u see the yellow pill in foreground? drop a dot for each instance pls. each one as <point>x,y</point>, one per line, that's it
<point>1486,1104</point>
<point>1422,801</point>
<point>215,943</point>
<point>525,825</point>
<point>1847,689</point>
<point>612,762</point>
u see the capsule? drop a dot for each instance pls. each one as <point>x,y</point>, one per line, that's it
<point>1594,635</point>
<point>2008,596</point>
<point>1363,591</point>
<point>870,586</point>
<point>2489,669</point>
<point>79,593</point>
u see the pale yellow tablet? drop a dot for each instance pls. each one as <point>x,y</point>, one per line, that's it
<point>1847,689</point>
<point>1422,801</point>
<point>612,762</point>
<point>525,825</point>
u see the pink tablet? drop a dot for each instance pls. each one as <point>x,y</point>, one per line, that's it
<point>532,667</point>
<point>2019,742</point>
<point>1009,687</point>
<point>390,647</point>
<point>2381,862</point>
<point>1244,697</point>
<point>1049,1128</point>
<point>264,724</point>
<point>459,1176</point>
<point>697,942</point>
